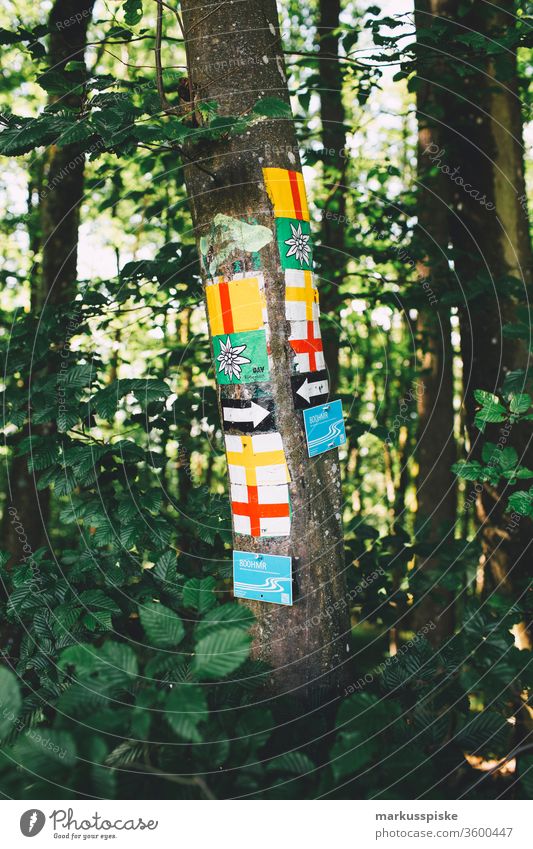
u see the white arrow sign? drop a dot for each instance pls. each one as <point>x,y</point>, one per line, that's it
<point>253,414</point>
<point>308,390</point>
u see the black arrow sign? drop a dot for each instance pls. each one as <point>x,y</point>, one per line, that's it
<point>248,416</point>
<point>310,389</point>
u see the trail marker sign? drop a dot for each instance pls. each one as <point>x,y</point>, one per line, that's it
<point>263,577</point>
<point>324,427</point>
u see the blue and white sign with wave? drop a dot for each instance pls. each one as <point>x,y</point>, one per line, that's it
<point>324,427</point>
<point>263,577</point>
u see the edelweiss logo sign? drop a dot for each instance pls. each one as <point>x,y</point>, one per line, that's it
<point>32,822</point>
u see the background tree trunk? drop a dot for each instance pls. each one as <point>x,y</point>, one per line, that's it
<point>435,450</point>
<point>491,239</point>
<point>306,645</point>
<point>332,254</point>
<point>64,169</point>
<point>53,284</point>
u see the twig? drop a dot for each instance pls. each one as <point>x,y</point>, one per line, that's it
<point>336,58</point>
<point>158,64</point>
<point>197,781</point>
<point>165,104</point>
<point>128,64</point>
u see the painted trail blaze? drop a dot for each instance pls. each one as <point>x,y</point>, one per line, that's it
<point>261,511</point>
<point>258,474</point>
<point>256,460</point>
<point>301,295</point>
<point>306,343</point>
<point>235,306</point>
<point>286,190</point>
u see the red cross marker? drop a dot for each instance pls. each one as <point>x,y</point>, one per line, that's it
<point>311,345</point>
<point>256,511</point>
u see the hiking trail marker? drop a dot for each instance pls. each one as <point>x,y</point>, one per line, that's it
<point>310,388</point>
<point>324,428</point>
<point>248,416</point>
<point>263,577</point>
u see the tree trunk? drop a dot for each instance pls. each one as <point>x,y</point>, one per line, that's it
<point>332,255</point>
<point>64,171</point>
<point>53,284</point>
<point>306,644</point>
<point>491,241</point>
<point>435,450</point>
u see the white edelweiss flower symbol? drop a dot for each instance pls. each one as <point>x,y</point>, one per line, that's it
<point>299,246</point>
<point>230,359</point>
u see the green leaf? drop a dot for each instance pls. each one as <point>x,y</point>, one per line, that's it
<point>198,594</point>
<point>272,107</point>
<point>61,83</point>
<point>361,709</point>
<point>221,652</point>
<point>470,471</point>
<point>521,502</point>
<point>508,458</point>
<point>483,397</point>
<point>162,626</point>
<point>165,568</point>
<point>229,615</point>
<point>518,473</point>
<point>105,402</point>
<point>107,668</point>
<point>10,702</point>
<point>485,732</point>
<point>78,377</point>
<point>45,749</point>
<point>133,12</point>
<point>489,450</point>
<point>514,380</point>
<point>492,413</point>
<point>15,141</point>
<point>97,621</point>
<point>293,763</point>
<point>185,708</point>
<point>351,752</point>
<point>76,133</point>
<point>98,600</point>
<point>520,403</point>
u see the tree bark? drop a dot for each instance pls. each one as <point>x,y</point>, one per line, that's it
<point>435,449</point>
<point>53,284</point>
<point>306,644</point>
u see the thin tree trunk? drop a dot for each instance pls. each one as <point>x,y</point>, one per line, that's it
<point>435,451</point>
<point>333,257</point>
<point>307,644</point>
<point>64,171</point>
<point>53,284</point>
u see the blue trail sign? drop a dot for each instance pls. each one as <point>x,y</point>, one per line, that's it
<point>263,577</point>
<point>324,427</point>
